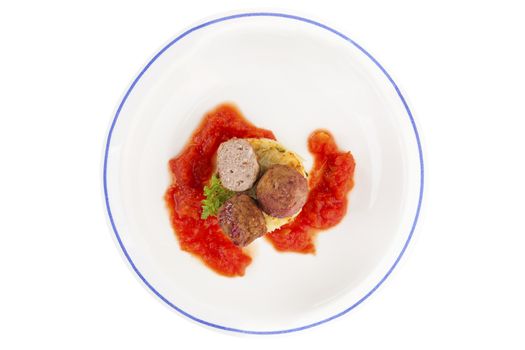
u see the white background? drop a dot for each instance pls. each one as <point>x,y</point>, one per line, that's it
<point>64,67</point>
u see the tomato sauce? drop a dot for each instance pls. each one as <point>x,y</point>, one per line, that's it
<point>191,170</point>
<point>329,182</point>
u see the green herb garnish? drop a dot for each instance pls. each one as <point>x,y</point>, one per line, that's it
<point>216,195</point>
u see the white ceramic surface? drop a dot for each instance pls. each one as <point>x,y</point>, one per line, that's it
<point>292,76</point>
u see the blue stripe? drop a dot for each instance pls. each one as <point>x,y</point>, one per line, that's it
<point>262,14</point>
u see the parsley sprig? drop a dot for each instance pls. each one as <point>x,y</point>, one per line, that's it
<point>216,195</point>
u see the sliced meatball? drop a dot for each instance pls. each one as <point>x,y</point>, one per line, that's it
<point>282,191</point>
<point>237,165</point>
<point>241,220</point>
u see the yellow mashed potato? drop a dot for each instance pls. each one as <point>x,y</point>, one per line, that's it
<point>270,152</point>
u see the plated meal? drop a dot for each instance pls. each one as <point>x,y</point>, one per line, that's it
<point>234,183</point>
<point>229,174</point>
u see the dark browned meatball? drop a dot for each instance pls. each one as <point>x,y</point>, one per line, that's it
<point>282,191</point>
<point>241,220</point>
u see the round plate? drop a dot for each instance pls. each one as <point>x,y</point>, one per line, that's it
<point>291,75</point>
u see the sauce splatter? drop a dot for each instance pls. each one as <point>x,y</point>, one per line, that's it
<point>330,181</point>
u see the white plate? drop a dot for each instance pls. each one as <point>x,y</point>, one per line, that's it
<point>291,75</point>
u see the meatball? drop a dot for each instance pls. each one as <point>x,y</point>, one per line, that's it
<point>281,191</point>
<point>241,220</point>
<point>237,165</point>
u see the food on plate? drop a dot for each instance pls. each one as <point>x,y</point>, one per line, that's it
<point>233,183</point>
<point>237,165</point>
<point>330,180</point>
<point>268,153</point>
<point>241,219</point>
<point>282,191</point>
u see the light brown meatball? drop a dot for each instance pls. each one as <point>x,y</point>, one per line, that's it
<point>237,165</point>
<point>281,191</point>
<point>241,220</point>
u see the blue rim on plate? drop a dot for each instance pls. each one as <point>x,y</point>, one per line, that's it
<point>295,18</point>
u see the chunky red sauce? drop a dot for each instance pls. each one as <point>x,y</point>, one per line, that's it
<point>330,181</point>
<point>191,170</point>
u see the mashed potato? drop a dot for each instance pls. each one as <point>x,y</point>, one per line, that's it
<point>270,152</point>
